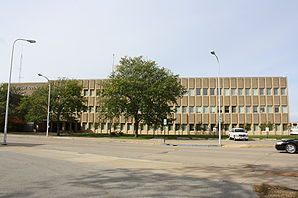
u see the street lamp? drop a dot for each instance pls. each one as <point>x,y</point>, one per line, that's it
<point>218,95</point>
<point>8,88</point>
<point>49,99</point>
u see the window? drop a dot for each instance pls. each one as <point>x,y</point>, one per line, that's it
<point>277,127</point>
<point>262,109</point>
<point>91,109</point>
<point>122,127</point>
<point>129,126</point>
<point>283,91</point>
<point>191,109</point>
<point>255,109</point>
<point>184,127</point>
<point>284,109</point>
<point>276,109</point>
<point>91,126</point>
<point>178,109</point>
<point>85,126</point>
<point>198,91</point>
<point>247,109</point>
<point>191,127</point>
<point>285,127</point>
<point>97,126</point>
<point>233,92</point>
<point>103,126</point>
<point>177,127</point>
<point>185,93</point>
<point>184,109</point>
<point>240,92</point>
<point>254,91</point>
<point>227,109</point>
<point>269,92</point>
<point>256,127</point>
<point>275,91</point>
<point>86,92</point>
<point>92,92</point>
<point>199,109</point>
<point>171,128</point>
<point>205,109</point>
<point>262,91</point>
<point>212,109</point>
<point>241,109</point>
<point>234,109</point>
<point>226,92</point>
<point>212,91</point>
<point>205,91</point>
<point>191,92</point>
<point>269,109</point>
<point>247,91</point>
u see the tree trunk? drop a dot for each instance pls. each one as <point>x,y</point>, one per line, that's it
<point>136,128</point>
<point>58,128</point>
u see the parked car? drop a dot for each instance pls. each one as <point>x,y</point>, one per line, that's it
<point>294,131</point>
<point>291,146</point>
<point>238,134</point>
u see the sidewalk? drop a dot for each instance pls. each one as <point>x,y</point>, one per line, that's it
<point>225,143</point>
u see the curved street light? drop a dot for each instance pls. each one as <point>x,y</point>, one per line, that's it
<point>49,100</point>
<point>8,88</point>
<point>218,95</point>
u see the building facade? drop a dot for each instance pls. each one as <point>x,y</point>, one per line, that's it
<point>253,103</point>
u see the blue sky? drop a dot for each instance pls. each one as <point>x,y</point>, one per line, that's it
<point>76,38</point>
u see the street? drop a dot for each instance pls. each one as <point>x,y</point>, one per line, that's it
<point>38,166</point>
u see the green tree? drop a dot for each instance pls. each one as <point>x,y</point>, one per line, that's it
<point>34,106</point>
<point>247,127</point>
<point>15,97</point>
<point>67,103</point>
<point>142,90</point>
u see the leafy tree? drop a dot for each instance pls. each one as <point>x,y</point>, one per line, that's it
<point>66,103</point>
<point>263,126</point>
<point>142,90</point>
<point>15,97</point>
<point>247,127</point>
<point>34,106</point>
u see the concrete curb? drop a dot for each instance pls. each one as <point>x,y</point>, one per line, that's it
<point>223,146</point>
<point>196,145</point>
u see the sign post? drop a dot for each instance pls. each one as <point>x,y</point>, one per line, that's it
<point>165,122</point>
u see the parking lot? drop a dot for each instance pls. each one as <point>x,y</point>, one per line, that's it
<point>37,166</point>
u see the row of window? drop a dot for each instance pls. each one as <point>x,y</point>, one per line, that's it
<point>91,92</point>
<point>226,92</point>
<point>181,127</point>
<point>233,109</point>
<point>224,109</point>
<point>235,92</point>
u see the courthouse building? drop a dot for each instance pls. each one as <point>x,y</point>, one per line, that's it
<point>248,102</point>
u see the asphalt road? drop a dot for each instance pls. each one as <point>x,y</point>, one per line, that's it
<point>36,166</point>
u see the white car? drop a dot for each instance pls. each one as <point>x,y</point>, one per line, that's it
<point>238,134</point>
<point>294,131</point>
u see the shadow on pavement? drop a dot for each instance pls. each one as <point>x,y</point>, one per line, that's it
<point>19,145</point>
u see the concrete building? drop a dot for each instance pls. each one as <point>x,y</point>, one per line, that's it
<point>250,102</point>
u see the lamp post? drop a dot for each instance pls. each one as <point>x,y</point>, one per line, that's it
<point>218,95</point>
<point>8,88</point>
<point>49,99</point>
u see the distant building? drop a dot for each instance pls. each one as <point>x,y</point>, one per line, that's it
<point>247,102</point>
